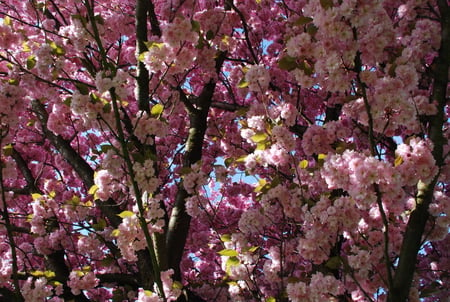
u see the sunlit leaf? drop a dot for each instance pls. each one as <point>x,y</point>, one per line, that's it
<point>93,189</point>
<point>228,253</point>
<point>7,21</point>
<point>31,62</point>
<point>243,83</point>
<point>259,137</point>
<point>125,214</point>
<point>36,196</point>
<point>157,110</point>
<point>152,44</point>
<point>225,238</point>
<point>398,161</point>
<point>56,49</point>
<point>49,274</point>
<point>303,164</point>
<point>232,261</point>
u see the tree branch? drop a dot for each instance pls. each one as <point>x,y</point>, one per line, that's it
<point>412,239</point>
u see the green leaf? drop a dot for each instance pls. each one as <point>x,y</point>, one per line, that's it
<point>311,29</point>
<point>7,21</point>
<point>49,274</point>
<point>56,49</point>
<point>125,214</point>
<point>303,164</point>
<point>306,67</point>
<point>228,252</point>
<point>228,161</point>
<point>271,299</point>
<point>232,261</point>
<point>36,196</point>
<point>259,137</point>
<point>107,108</point>
<point>253,249</point>
<point>177,285</point>
<point>31,62</point>
<point>14,82</point>
<point>242,84</point>
<point>8,150</point>
<point>287,63</point>
<point>326,4</point>
<point>210,35</point>
<point>25,47</point>
<point>107,261</point>
<point>106,147</point>
<point>334,263</point>
<point>225,238</point>
<point>100,225</point>
<point>68,101</point>
<point>157,110</point>
<point>303,21</point>
<point>262,146</point>
<point>151,44</point>
<point>82,88</point>
<point>195,26</point>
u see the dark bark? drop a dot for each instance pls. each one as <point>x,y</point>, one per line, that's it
<point>179,221</point>
<point>416,225</point>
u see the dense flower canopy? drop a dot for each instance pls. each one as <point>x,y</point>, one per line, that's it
<point>246,150</point>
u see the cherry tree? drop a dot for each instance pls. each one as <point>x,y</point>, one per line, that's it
<point>253,150</point>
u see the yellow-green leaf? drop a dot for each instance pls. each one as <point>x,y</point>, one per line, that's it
<point>37,273</point>
<point>49,274</point>
<point>115,233</point>
<point>8,150</point>
<point>303,164</point>
<point>7,21</point>
<point>322,156</point>
<point>259,137</point>
<point>398,161</point>
<point>225,238</point>
<point>253,249</point>
<point>157,110</point>
<point>232,261</point>
<point>25,47</point>
<point>100,225</point>
<point>228,253</point>
<point>36,196</point>
<point>93,189</point>
<point>177,285</point>
<point>271,299</point>
<point>31,62</point>
<point>243,83</point>
<point>125,214</point>
<point>56,49</point>
<point>152,44</point>
<point>261,183</point>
